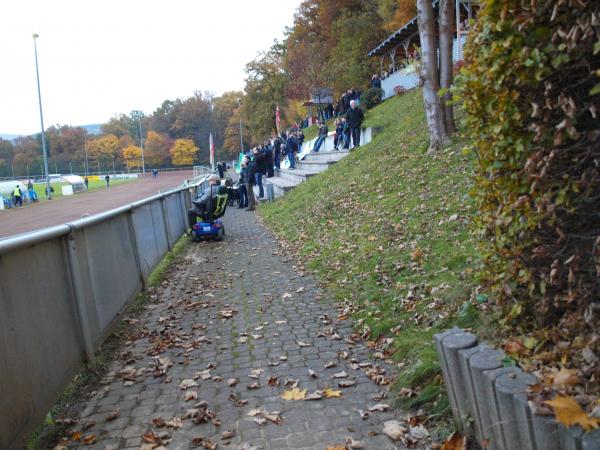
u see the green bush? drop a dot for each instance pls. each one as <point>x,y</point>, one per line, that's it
<point>371,97</point>
<point>530,90</point>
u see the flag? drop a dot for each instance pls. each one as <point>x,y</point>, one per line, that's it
<point>211,146</point>
<point>277,118</point>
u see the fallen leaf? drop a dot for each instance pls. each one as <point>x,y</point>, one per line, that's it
<point>304,344</point>
<point>203,442</point>
<point>565,376</point>
<point>394,429</point>
<point>317,395</point>
<point>341,374</point>
<point>227,434</point>
<point>455,442</point>
<point>232,382</point>
<point>352,444</point>
<point>260,420</point>
<point>112,415</point>
<point>347,383</point>
<point>381,407</point>
<point>187,384</point>
<point>330,364</point>
<point>330,393</point>
<point>174,423</point>
<point>254,385</point>
<point>312,373</point>
<point>568,412</point>
<point>337,447</point>
<point>89,439</point>
<point>294,394</point>
<point>191,395</point>
<point>273,381</point>
<point>160,423</point>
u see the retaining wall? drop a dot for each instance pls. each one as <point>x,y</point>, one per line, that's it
<point>489,400</point>
<point>62,288</point>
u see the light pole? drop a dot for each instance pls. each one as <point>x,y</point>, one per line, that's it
<point>87,166</point>
<point>139,116</point>
<point>37,73</point>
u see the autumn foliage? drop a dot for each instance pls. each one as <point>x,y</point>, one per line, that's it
<point>530,88</point>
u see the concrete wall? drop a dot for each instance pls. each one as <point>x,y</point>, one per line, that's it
<point>489,400</point>
<point>61,289</point>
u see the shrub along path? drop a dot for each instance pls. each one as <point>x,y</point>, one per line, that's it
<point>232,329</point>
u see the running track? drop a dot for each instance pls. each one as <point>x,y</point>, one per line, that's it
<point>66,209</point>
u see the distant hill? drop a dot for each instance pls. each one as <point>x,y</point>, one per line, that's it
<point>91,129</point>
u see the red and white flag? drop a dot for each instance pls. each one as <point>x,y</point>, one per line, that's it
<point>211,146</point>
<point>277,118</point>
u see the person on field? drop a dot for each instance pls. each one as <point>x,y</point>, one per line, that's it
<point>18,196</point>
<point>107,179</point>
<point>355,117</point>
<point>87,182</point>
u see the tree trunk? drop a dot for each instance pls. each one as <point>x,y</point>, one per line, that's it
<point>429,73</point>
<point>446,65</point>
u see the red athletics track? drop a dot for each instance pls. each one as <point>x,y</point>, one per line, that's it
<point>66,209</point>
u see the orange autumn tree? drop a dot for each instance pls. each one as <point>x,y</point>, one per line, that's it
<point>132,156</point>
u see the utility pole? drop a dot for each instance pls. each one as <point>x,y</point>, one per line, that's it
<point>241,136</point>
<point>44,150</point>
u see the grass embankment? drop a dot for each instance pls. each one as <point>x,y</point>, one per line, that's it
<point>386,231</point>
<point>86,381</point>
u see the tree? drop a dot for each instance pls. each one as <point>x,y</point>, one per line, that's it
<point>6,156</point>
<point>395,13</point>
<point>232,135</point>
<point>104,148</point>
<point>132,155</point>
<point>446,65</point>
<point>183,152</point>
<point>156,149</point>
<point>430,75</point>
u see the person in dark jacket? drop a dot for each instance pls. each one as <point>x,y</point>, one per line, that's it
<point>221,169</point>
<point>291,147</point>
<point>355,117</point>
<point>268,151</point>
<point>277,152</point>
<point>204,202</point>
<point>251,180</point>
<point>323,132</point>
<point>260,167</point>
<point>375,82</point>
<point>242,180</point>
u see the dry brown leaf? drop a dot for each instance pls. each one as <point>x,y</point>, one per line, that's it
<point>566,376</point>
<point>455,442</point>
<point>337,447</point>
<point>191,395</point>
<point>294,394</point>
<point>112,415</point>
<point>89,439</point>
<point>568,412</point>
<point>394,429</point>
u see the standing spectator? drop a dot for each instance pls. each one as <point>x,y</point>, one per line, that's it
<point>300,140</point>
<point>329,111</point>
<point>375,82</point>
<point>18,196</point>
<point>107,179</point>
<point>277,152</point>
<point>250,184</point>
<point>355,117</point>
<point>31,191</point>
<point>155,173</point>
<point>339,130</point>
<point>268,151</point>
<point>242,180</point>
<point>87,182</point>
<point>291,147</point>
<point>220,169</point>
<point>345,133</point>
<point>260,168</point>
<point>323,132</point>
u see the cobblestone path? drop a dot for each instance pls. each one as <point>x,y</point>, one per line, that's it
<point>232,328</point>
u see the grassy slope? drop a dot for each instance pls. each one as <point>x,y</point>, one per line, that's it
<point>386,230</point>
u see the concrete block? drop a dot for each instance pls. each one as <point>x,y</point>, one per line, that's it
<point>489,386</point>
<point>570,438</point>
<point>516,429</point>
<point>524,419</point>
<point>451,345</point>
<point>546,432</point>
<point>480,363</point>
<point>438,338</point>
<point>591,441</point>
<point>473,427</point>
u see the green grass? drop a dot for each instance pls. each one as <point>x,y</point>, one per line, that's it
<point>49,432</point>
<point>40,188</point>
<point>386,230</point>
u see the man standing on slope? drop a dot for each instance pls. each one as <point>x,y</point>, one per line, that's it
<point>355,117</point>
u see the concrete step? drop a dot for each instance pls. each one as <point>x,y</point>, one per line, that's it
<point>295,175</point>
<point>280,185</point>
<point>314,166</point>
<point>325,156</point>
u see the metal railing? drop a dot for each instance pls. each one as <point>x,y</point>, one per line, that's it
<point>62,288</point>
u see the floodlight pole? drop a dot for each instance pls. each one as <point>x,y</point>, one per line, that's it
<point>142,144</point>
<point>44,150</point>
<point>241,137</point>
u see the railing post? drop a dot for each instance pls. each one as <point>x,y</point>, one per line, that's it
<point>182,194</point>
<point>80,303</point>
<point>136,253</point>
<point>166,222</point>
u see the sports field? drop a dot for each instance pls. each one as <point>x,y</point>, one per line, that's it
<point>97,199</point>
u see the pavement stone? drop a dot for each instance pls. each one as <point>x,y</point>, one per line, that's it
<point>276,308</point>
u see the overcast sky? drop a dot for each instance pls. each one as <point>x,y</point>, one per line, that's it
<point>98,59</point>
